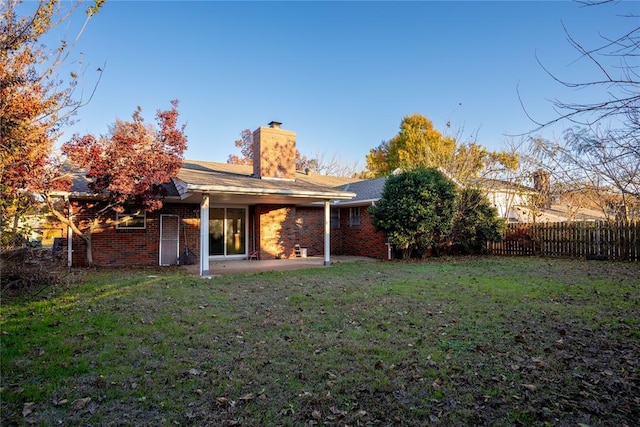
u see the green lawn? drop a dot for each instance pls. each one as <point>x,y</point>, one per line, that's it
<point>455,341</point>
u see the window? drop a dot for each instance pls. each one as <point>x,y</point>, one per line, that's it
<point>355,219</point>
<point>335,217</point>
<point>133,220</point>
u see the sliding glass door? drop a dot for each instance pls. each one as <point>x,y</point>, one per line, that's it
<point>227,231</point>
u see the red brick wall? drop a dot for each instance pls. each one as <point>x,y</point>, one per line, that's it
<point>275,230</point>
<point>113,247</point>
<point>360,240</point>
<point>310,224</point>
<point>278,228</point>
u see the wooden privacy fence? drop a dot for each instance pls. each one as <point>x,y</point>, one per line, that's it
<point>618,240</point>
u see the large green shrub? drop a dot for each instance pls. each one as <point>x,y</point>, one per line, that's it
<point>416,210</point>
<point>476,223</point>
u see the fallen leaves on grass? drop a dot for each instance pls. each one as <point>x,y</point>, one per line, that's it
<point>247,397</point>
<point>80,404</point>
<point>60,402</point>
<point>225,402</point>
<point>27,409</point>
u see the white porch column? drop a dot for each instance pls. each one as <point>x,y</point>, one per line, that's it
<point>70,238</point>
<point>327,233</point>
<point>204,235</point>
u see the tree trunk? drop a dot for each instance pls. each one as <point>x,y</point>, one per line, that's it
<point>88,238</point>
<point>89,251</point>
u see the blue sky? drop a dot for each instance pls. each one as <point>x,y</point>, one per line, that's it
<point>342,75</point>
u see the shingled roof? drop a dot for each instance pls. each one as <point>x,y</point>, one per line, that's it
<point>231,171</point>
<point>198,177</point>
<point>223,178</point>
<point>367,191</point>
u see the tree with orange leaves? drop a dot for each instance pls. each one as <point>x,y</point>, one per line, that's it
<point>35,103</point>
<point>420,144</point>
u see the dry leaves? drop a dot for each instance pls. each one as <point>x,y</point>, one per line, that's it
<point>28,408</point>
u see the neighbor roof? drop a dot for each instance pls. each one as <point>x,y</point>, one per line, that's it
<point>502,185</point>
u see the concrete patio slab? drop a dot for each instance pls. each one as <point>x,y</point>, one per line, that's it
<point>218,268</point>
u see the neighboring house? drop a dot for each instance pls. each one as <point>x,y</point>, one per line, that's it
<point>522,204</point>
<point>506,197</point>
<point>555,213</point>
<point>267,210</point>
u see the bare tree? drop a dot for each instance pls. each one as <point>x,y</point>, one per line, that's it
<point>334,165</point>
<point>616,78</point>
<point>588,167</point>
<point>600,151</point>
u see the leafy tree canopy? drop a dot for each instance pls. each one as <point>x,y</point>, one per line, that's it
<point>133,161</point>
<point>420,144</point>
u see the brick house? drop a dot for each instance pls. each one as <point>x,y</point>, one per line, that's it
<point>268,210</point>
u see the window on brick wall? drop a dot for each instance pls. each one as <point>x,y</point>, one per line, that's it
<point>335,217</point>
<point>355,217</point>
<point>131,220</point>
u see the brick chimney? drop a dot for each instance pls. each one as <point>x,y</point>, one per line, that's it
<point>274,152</point>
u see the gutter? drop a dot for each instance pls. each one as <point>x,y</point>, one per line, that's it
<point>268,192</point>
<point>350,203</point>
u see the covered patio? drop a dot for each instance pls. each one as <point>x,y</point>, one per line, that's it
<point>241,214</point>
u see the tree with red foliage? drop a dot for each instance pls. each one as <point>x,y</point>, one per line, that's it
<point>245,144</point>
<point>126,168</point>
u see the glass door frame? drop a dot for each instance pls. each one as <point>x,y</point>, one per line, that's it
<point>224,227</point>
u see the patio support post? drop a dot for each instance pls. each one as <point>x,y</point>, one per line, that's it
<point>70,237</point>
<point>204,235</point>
<point>327,233</point>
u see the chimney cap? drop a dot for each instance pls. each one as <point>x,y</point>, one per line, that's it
<point>274,124</point>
